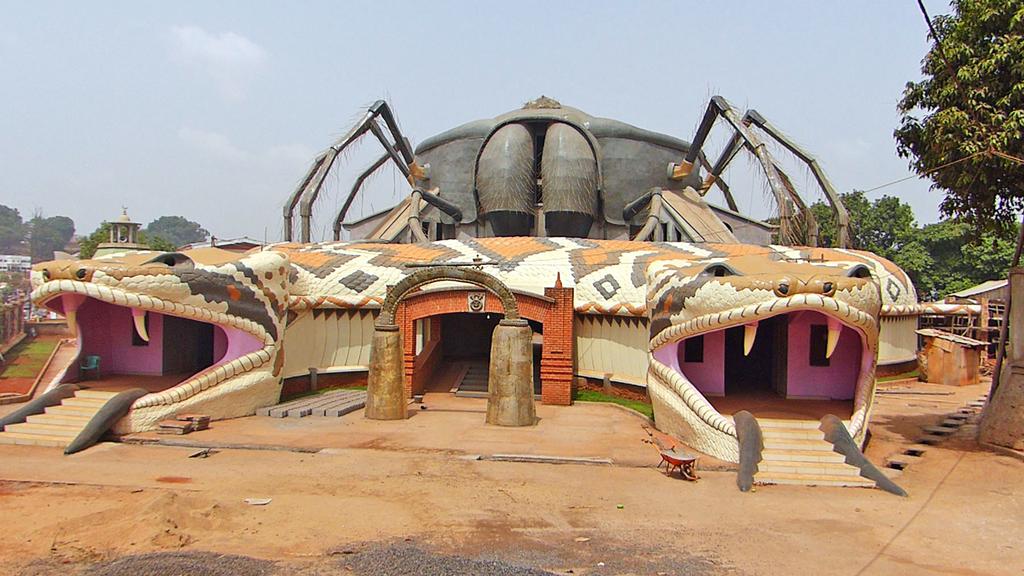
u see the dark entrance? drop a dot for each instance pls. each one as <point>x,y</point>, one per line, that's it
<point>764,369</point>
<point>188,345</point>
<point>467,342</point>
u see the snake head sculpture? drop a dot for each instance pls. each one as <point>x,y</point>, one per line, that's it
<point>208,322</point>
<point>811,321</point>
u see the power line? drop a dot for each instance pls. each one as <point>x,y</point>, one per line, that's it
<point>927,172</point>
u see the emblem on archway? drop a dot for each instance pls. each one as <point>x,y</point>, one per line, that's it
<point>476,302</point>
<point>510,375</point>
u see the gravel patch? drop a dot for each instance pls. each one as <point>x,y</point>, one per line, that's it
<point>410,560</point>
<point>183,564</point>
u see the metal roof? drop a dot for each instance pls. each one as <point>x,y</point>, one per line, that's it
<point>941,334</point>
<point>986,286</point>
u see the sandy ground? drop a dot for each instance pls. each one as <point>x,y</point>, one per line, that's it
<point>446,425</point>
<point>963,516</point>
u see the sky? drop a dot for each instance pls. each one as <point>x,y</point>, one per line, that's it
<point>214,110</point>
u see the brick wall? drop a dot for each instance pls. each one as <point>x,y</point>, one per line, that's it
<point>559,355</point>
<point>555,315</point>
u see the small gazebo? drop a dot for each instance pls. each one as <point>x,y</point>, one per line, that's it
<point>124,236</point>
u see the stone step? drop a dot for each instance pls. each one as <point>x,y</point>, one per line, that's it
<point>939,430</point>
<point>813,468</point>
<point>780,423</point>
<point>808,433</point>
<point>812,479</point>
<point>33,439</point>
<point>98,394</point>
<point>94,403</point>
<point>44,429</point>
<point>802,455</point>
<point>819,445</point>
<point>71,411</point>
<point>55,419</point>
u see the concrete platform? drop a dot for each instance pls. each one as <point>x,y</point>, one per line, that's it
<point>447,425</point>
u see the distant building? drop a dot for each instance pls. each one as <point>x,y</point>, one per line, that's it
<point>240,244</point>
<point>14,263</point>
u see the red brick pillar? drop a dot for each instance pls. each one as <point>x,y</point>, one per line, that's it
<point>559,353</point>
<point>408,329</point>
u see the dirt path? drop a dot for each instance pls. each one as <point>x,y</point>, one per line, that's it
<point>364,504</point>
<point>963,515</point>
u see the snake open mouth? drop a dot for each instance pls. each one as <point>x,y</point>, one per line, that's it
<point>172,350</point>
<point>807,346</point>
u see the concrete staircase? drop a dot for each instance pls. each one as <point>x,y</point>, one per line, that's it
<point>60,424</point>
<point>796,452</point>
<point>474,381</point>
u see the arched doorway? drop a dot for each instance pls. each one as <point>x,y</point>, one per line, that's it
<point>510,374</point>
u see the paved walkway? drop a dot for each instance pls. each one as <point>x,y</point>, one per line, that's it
<point>448,425</point>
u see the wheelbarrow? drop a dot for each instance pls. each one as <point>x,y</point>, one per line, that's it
<point>682,461</point>
<point>673,459</point>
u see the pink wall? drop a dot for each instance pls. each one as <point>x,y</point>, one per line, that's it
<point>838,381</point>
<point>106,331</point>
<point>230,343</point>
<point>220,344</point>
<point>707,376</point>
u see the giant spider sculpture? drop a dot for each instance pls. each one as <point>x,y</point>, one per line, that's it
<point>552,170</point>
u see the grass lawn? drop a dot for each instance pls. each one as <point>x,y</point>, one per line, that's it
<point>321,391</point>
<point>595,396</point>
<point>27,358</point>
<point>912,374</point>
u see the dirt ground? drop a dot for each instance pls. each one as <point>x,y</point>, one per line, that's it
<point>376,509</point>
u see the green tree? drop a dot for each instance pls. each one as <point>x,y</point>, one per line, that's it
<point>939,258</point>
<point>12,229</point>
<point>47,235</point>
<point>176,230</point>
<point>960,261</point>
<point>969,103</point>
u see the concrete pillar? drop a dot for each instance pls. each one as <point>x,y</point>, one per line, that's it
<point>385,387</point>
<point>510,382</point>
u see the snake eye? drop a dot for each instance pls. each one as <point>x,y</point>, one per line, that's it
<point>46,274</point>
<point>80,273</point>
<point>782,288</point>
<point>719,270</point>
<point>828,288</point>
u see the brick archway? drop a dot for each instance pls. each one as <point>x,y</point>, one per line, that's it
<point>554,311</point>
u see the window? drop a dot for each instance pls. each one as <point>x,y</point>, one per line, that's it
<point>136,339</point>
<point>693,349</point>
<point>819,342</point>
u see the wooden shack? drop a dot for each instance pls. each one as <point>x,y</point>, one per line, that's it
<point>950,359</point>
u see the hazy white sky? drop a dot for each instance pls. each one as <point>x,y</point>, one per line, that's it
<point>214,110</point>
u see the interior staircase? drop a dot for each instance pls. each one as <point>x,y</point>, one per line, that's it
<point>796,452</point>
<point>59,424</point>
<point>474,380</point>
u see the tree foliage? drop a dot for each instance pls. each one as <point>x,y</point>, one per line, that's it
<point>12,229</point>
<point>47,235</point>
<point>940,258</point>
<point>176,230</point>
<point>971,101</point>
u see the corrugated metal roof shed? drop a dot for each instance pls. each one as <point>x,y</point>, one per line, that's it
<point>986,286</point>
